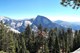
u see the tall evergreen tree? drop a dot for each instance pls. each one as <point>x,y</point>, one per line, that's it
<point>51,40</point>
<point>56,46</point>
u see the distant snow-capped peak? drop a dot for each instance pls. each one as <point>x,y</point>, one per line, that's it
<point>3,17</point>
<point>19,25</point>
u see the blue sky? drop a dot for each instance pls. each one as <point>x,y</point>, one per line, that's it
<point>21,9</point>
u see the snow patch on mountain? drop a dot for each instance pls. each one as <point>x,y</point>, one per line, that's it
<point>27,23</point>
<point>2,17</point>
<point>16,31</point>
<point>35,29</point>
<point>11,29</point>
<point>19,24</point>
<point>13,24</point>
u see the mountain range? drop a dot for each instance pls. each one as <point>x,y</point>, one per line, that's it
<point>20,25</point>
<point>73,25</point>
<point>16,24</point>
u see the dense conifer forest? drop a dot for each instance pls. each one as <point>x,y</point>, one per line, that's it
<point>41,41</point>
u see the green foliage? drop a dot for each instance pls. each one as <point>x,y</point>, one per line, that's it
<point>72,3</point>
<point>2,52</point>
<point>57,41</point>
<point>56,45</point>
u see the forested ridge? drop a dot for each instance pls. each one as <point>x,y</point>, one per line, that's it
<point>41,41</point>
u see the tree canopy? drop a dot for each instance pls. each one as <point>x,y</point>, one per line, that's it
<point>75,4</point>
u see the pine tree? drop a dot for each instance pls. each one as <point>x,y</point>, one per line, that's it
<point>51,40</point>
<point>72,3</point>
<point>76,44</point>
<point>11,46</point>
<point>56,46</point>
<point>28,31</point>
<point>24,49</point>
<point>68,40</point>
<point>3,37</point>
<point>46,48</point>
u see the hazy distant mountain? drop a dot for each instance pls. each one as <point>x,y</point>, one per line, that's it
<point>65,24</point>
<point>78,23</point>
<point>45,22</point>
